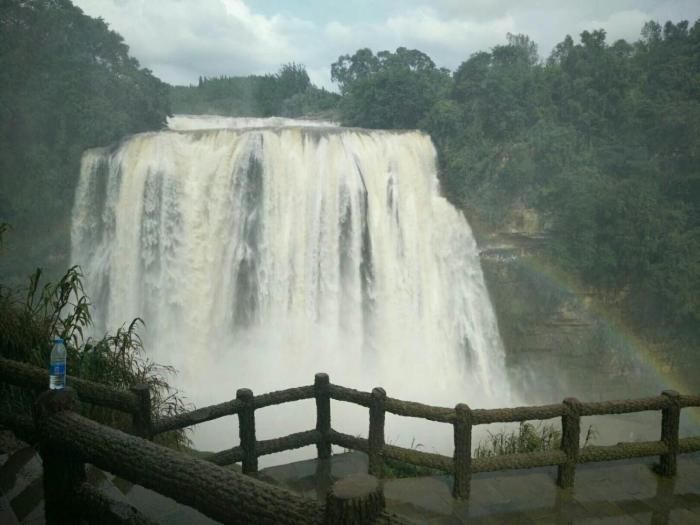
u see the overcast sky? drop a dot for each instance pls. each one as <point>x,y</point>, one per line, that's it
<point>182,39</point>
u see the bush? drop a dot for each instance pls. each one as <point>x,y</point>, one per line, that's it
<point>528,438</point>
<point>30,319</point>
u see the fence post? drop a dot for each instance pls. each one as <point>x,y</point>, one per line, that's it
<point>323,414</point>
<point>463,452</point>
<point>376,432</point>
<point>246,430</point>
<point>63,473</point>
<point>354,500</point>
<point>670,422</point>
<point>141,419</point>
<point>570,437</point>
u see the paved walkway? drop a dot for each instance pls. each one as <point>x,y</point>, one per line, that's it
<point>625,492</point>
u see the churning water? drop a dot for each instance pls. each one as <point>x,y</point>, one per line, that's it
<point>263,251</point>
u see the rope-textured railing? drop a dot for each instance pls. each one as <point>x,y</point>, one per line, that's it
<point>195,417</point>
<point>32,377</point>
<point>70,440</point>
<point>67,441</point>
<point>463,419</point>
<point>461,465</point>
<point>136,401</point>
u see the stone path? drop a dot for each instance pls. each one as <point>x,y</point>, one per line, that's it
<point>625,492</point>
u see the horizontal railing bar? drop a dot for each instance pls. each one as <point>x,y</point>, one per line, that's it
<point>22,374</point>
<point>419,410</point>
<point>516,414</point>
<point>341,393</point>
<point>290,442</point>
<point>195,417</point>
<point>348,441</point>
<point>624,406</point>
<point>98,507</point>
<point>283,396</point>
<point>22,426</point>
<point>518,461</point>
<point>642,449</point>
<point>220,493</point>
<point>420,458</point>
<point>227,457</point>
<point>689,401</point>
<point>689,444</point>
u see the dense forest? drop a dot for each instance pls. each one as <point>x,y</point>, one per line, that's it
<point>600,140</point>
<point>67,83</point>
<point>288,93</point>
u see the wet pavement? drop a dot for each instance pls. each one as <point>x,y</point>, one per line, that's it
<point>625,492</point>
<point>614,492</point>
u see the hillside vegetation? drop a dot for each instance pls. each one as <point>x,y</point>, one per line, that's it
<point>288,93</point>
<point>67,83</point>
<point>601,140</point>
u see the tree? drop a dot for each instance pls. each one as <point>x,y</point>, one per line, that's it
<point>67,83</point>
<point>388,90</point>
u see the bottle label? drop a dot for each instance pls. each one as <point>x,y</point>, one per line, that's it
<point>57,369</point>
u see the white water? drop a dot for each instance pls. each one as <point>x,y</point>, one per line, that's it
<point>194,122</point>
<point>258,257</point>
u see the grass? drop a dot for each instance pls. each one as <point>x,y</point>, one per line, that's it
<point>528,437</point>
<point>32,317</point>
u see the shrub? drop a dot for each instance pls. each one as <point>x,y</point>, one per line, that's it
<point>30,319</point>
<point>528,438</point>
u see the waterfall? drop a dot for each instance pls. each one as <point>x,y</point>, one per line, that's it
<point>261,251</point>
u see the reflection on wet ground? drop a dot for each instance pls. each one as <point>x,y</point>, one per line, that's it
<point>619,492</point>
<point>615,492</point>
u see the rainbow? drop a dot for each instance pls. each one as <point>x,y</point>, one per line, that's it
<point>634,348</point>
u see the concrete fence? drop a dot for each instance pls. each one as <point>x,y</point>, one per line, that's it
<point>230,497</point>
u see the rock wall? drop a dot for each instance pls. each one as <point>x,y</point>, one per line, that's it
<point>561,340</point>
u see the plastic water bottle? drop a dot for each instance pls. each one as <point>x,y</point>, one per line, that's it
<point>57,369</point>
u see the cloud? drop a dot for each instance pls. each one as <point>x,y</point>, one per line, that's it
<point>451,39</point>
<point>181,39</point>
<point>625,24</point>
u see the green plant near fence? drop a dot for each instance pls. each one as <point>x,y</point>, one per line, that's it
<point>527,438</point>
<point>89,442</point>
<point>31,318</point>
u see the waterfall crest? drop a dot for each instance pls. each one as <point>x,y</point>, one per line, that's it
<point>261,252</point>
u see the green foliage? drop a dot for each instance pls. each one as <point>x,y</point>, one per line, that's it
<point>394,468</point>
<point>67,83</point>
<point>235,96</point>
<point>388,90</point>
<point>30,320</point>
<point>528,438</point>
<point>601,140</point>
<point>288,93</point>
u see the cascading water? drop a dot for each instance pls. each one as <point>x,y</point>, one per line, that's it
<point>262,253</point>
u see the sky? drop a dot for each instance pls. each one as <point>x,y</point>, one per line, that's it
<point>180,40</point>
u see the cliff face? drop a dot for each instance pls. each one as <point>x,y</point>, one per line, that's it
<point>563,339</point>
